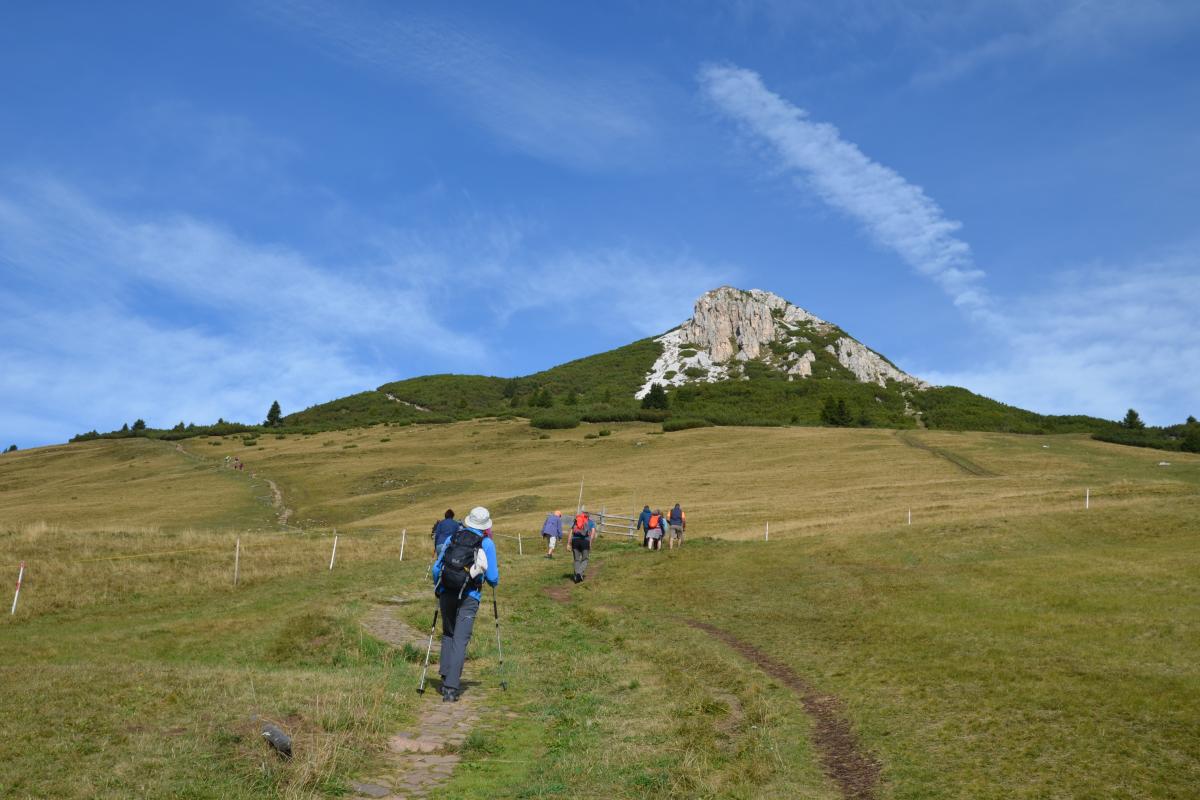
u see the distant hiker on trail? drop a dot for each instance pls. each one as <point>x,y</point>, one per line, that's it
<point>656,529</point>
<point>583,533</point>
<point>552,531</point>
<point>643,524</point>
<point>443,529</point>
<point>678,522</point>
<point>464,562</point>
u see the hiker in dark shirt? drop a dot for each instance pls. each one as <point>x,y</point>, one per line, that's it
<point>443,529</point>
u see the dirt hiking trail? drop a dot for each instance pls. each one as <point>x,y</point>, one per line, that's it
<point>420,759</point>
<point>281,510</point>
<point>854,770</point>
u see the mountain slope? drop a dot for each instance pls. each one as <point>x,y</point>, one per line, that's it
<point>745,357</point>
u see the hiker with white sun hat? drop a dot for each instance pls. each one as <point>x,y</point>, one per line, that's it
<point>464,562</point>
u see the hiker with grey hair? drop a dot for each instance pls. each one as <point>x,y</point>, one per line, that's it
<point>465,561</point>
<point>552,531</point>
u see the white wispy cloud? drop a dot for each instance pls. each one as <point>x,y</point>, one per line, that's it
<point>546,102</point>
<point>636,292</point>
<point>895,213</point>
<point>1098,341</point>
<point>105,315</point>
<point>1055,31</point>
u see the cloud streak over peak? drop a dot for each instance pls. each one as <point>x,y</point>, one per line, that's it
<point>896,214</point>
<point>553,105</point>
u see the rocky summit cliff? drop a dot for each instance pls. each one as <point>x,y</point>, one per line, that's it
<point>731,328</point>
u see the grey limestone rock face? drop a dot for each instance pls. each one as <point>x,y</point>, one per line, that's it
<point>729,325</point>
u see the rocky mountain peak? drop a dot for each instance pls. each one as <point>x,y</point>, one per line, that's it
<point>731,326</point>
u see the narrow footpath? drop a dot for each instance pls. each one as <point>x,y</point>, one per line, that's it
<point>420,759</point>
<point>854,769</point>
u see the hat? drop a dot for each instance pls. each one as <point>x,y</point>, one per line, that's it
<point>479,519</point>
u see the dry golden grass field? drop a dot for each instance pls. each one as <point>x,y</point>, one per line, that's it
<point>1007,643</point>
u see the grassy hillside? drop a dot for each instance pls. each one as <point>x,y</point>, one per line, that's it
<point>1006,644</point>
<point>131,482</point>
<point>601,387</point>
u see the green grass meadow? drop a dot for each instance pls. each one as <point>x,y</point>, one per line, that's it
<point>1007,644</point>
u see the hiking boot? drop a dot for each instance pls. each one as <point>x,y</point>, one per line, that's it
<point>449,695</point>
<point>549,555</point>
<point>576,577</point>
<point>581,577</point>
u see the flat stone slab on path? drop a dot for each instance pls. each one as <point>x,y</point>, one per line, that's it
<point>420,759</point>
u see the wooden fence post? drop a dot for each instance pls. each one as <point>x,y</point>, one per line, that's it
<point>20,575</point>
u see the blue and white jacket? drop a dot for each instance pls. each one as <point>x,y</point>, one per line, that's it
<point>491,574</point>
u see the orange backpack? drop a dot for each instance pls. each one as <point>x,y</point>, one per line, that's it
<point>580,523</point>
<point>654,519</point>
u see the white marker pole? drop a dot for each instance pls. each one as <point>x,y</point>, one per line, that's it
<point>520,547</point>
<point>910,516</point>
<point>579,504</point>
<point>333,555</point>
<point>403,538</point>
<point>1087,499</point>
<point>767,533</point>
<point>237,559</point>
<point>20,575</point>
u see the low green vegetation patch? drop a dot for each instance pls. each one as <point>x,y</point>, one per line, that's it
<point>683,424</point>
<point>554,420</point>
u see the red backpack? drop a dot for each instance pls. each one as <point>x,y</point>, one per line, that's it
<point>654,520</point>
<point>581,521</point>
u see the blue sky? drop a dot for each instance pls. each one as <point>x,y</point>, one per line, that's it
<point>206,207</point>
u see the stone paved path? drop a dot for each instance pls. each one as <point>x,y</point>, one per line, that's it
<point>421,759</point>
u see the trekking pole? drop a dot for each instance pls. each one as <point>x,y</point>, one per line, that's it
<point>499,649</point>
<point>428,651</point>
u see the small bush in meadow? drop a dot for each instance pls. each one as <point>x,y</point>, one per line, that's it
<point>684,424</point>
<point>552,420</point>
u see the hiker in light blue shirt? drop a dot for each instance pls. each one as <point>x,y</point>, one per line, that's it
<point>464,562</point>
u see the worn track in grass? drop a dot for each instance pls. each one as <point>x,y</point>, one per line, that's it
<point>962,462</point>
<point>854,770</point>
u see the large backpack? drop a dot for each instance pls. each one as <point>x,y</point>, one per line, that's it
<point>580,525</point>
<point>676,517</point>
<point>458,560</point>
<point>654,522</point>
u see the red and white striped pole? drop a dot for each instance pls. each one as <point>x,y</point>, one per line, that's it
<point>20,575</point>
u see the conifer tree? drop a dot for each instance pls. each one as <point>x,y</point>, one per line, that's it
<point>656,397</point>
<point>274,416</point>
<point>1132,421</point>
